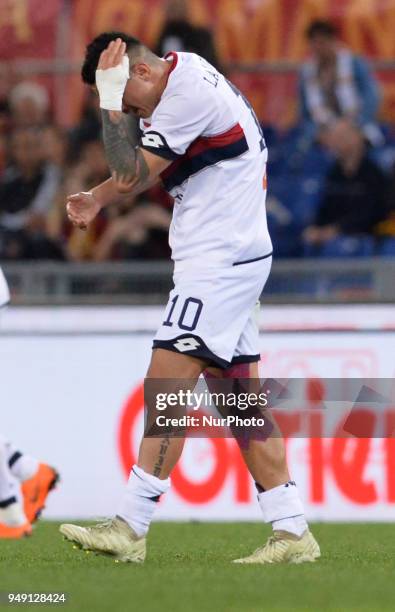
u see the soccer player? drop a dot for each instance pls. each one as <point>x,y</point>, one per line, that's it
<point>200,136</point>
<point>24,481</point>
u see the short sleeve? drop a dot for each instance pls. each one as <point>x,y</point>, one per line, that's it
<point>177,121</point>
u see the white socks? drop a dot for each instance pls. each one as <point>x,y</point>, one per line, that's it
<point>142,494</point>
<point>11,509</point>
<point>20,465</point>
<point>12,515</point>
<point>282,507</point>
<point>8,485</point>
<point>14,467</point>
<point>23,466</point>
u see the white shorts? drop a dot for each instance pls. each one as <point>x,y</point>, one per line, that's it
<point>4,292</point>
<point>211,314</point>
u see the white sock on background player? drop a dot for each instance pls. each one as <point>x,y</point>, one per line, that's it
<point>283,508</point>
<point>142,495</point>
<point>20,465</point>
<point>8,484</point>
<point>11,509</point>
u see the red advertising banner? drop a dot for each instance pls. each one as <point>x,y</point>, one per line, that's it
<point>250,31</point>
<point>29,32</point>
<point>245,31</point>
<point>28,28</point>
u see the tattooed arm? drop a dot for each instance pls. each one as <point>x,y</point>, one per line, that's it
<point>120,137</point>
<point>132,168</point>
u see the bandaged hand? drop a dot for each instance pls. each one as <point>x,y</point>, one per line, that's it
<point>112,75</point>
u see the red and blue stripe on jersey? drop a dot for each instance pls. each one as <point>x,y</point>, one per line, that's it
<point>205,151</point>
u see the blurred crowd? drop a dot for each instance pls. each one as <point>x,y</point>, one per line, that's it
<point>352,212</point>
<point>42,163</point>
<point>333,159</point>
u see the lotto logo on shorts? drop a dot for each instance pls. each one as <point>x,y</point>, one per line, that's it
<point>153,139</point>
<point>186,344</point>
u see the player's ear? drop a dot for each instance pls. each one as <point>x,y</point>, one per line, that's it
<point>143,71</point>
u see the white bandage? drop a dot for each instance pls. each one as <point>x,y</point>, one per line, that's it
<point>111,85</point>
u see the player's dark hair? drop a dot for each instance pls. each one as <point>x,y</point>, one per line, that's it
<point>95,48</point>
<point>319,27</point>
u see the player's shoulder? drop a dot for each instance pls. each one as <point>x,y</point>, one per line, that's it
<point>186,91</point>
<point>187,74</point>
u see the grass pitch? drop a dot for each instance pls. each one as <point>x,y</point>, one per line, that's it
<point>188,569</point>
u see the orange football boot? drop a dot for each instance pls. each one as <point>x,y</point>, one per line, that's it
<point>15,533</point>
<point>35,490</point>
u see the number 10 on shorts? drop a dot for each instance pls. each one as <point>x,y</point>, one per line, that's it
<point>189,315</point>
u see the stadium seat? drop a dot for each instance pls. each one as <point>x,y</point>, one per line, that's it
<point>348,246</point>
<point>386,247</point>
<point>342,246</point>
<point>286,242</point>
<point>295,285</point>
<point>296,177</point>
<point>384,157</point>
<point>311,250</point>
<point>300,196</point>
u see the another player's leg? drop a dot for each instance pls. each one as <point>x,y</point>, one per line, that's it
<point>13,521</point>
<point>27,476</point>
<point>278,496</point>
<point>36,479</point>
<point>124,537</point>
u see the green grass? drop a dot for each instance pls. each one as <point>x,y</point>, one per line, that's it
<point>188,570</point>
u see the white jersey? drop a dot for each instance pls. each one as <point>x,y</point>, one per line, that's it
<point>4,292</point>
<point>218,171</point>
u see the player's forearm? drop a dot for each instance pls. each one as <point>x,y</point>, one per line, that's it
<point>106,193</point>
<point>121,137</point>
